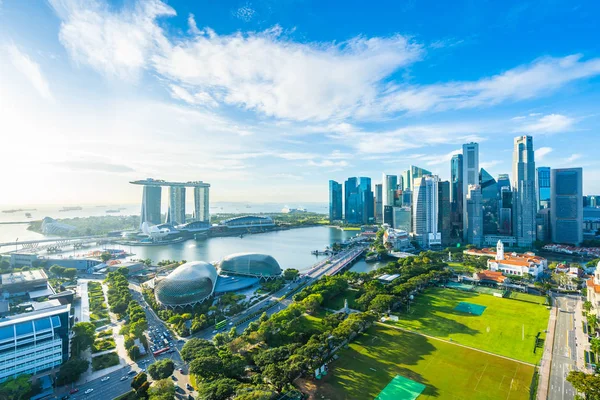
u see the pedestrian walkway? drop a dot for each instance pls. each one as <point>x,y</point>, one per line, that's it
<point>546,362</point>
<point>581,340</point>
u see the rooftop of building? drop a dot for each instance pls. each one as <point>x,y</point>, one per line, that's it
<point>490,252</point>
<point>592,285</point>
<point>32,315</point>
<point>15,278</point>
<point>495,276</point>
<point>160,182</point>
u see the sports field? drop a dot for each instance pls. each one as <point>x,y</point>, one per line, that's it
<point>507,327</point>
<point>448,371</point>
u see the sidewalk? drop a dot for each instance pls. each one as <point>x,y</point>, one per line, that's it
<point>581,340</point>
<point>546,362</point>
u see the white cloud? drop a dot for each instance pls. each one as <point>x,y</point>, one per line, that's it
<point>327,163</point>
<point>542,152</point>
<point>269,73</point>
<point>245,13</point>
<point>198,98</point>
<point>489,164</point>
<point>552,123</point>
<point>32,71</point>
<point>114,43</point>
<point>573,157</point>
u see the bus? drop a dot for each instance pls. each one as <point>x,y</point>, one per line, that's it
<point>221,324</point>
<point>159,352</point>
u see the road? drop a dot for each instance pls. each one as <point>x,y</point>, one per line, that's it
<point>106,390</point>
<point>564,353</point>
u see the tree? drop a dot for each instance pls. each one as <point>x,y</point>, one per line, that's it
<point>207,368</point>
<point>312,302</point>
<point>232,333</point>
<point>595,345</point>
<point>142,392</point>
<point>134,352</point>
<point>57,270</point>
<point>382,302</point>
<point>71,371</point>
<point>195,348</point>
<point>290,274</point>
<point>220,389</point>
<point>163,389</point>
<point>139,380</point>
<point>19,388</point>
<point>161,369</point>
<point>587,384</point>
<point>147,262</point>
<point>105,256</point>
<point>587,306</point>
<point>83,338</point>
<point>592,320</point>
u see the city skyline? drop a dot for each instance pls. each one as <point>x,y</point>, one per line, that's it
<point>257,96</point>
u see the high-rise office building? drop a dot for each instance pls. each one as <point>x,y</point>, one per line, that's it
<point>474,214</point>
<point>412,174</point>
<point>366,199</point>
<point>388,215</point>
<point>151,198</point>
<point>33,342</point>
<point>351,201</point>
<point>525,207</point>
<point>425,211</point>
<point>379,202</point>
<point>406,198</point>
<point>176,213</point>
<point>402,217</point>
<point>202,203</point>
<point>543,187</point>
<point>456,196</point>
<point>566,205</point>
<point>470,176</point>
<point>389,187</point>
<point>335,201</point>
<point>444,212</point>
<point>505,224</point>
<point>543,225</point>
<point>489,202</point>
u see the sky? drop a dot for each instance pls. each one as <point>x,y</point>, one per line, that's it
<point>268,100</point>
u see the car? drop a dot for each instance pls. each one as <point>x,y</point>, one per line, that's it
<point>173,377</point>
<point>74,390</point>
<point>231,323</point>
<point>215,331</point>
<point>178,389</point>
<point>65,397</point>
<point>181,370</point>
<point>188,386</point>
<point>90,390</point>
<point>132,372</point>
<point>181,341</point>
<point>143,370</point>
<point>124,377</point>
<point>105,379</point>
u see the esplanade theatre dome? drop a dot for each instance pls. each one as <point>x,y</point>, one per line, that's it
<point>190,283</point>
<point>250,264</point>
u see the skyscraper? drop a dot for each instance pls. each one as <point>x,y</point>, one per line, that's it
<point>543,187</point>
<point>388,215</point>
<point>402,217</point>
<point>351,202</point>
<point>470,176</point>
<point>366,201</point>
<point>425,211</point>
<point>444,215</point>
<point>389,187</point>
<point>456,196</point>
<point>474,214</point>
<point>335,201</point>
<point>489,202</point>
<point>201,203</point>
<point>151,198</point>
<point>525,208</point>
<point>505,225</point>
<point>411,174</point>
<point>176,213</point>
<point>567,205</point>
<point>379,202</point>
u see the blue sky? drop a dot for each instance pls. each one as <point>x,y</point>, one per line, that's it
<point>268,100</point>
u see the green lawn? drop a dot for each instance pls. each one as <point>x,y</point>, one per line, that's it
<point>506,327</point>
<point>338,301</point>
<point>528,297</point>
<point>447,370</point>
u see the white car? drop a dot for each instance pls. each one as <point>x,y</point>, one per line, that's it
<point>88,391</point>
<point>105,379</point>
<point>124,378</point>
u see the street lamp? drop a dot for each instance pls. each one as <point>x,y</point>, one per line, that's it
<point>16,244</point>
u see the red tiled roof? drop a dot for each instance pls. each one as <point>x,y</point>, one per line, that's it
<point>495,276</point>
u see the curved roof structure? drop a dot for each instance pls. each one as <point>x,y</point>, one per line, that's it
<point>190,283</point>
<point>250,264</point>
<point>248,220</point>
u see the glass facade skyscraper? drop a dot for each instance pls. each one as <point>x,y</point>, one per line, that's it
<point>351,201</point>
<point>525,205</point>
<point>489,202</point>
<point>360,204</point>
<point>379,202</point>
<point>543,187</point>
<point>335,201</point>
<point>456,196</point>
<point>567,205</point>
<point>151,198</point>
<point>444,214</point>
<point>425,211</point>
<point>470,176</point>
<point>389,187</point>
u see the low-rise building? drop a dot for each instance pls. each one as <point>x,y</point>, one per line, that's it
<point>398,239</point>
<point>516,264</point>
<point>25,283</point>
<point>34,342</point>
<point>593,290</point>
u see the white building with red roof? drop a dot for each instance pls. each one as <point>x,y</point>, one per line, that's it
<point>516,264</point>
<point>593,290</point>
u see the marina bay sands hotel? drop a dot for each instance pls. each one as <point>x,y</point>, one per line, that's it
<point>151,199</point>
